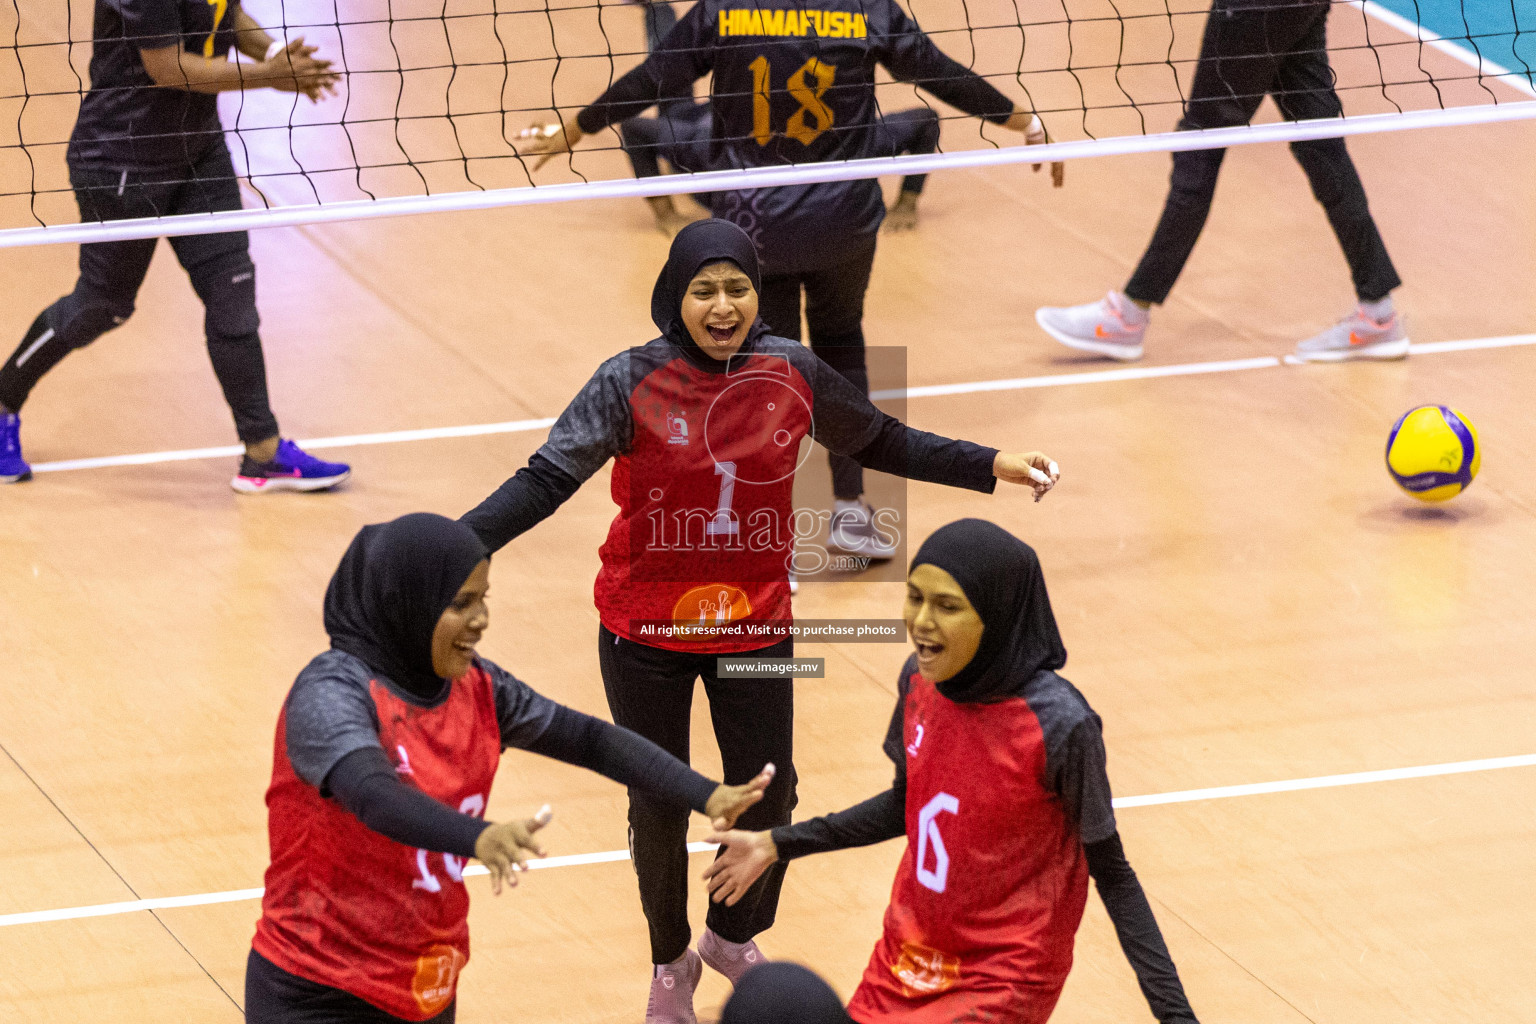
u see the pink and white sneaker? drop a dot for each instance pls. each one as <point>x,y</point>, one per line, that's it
<point>672,986</point>
<point>1358,336</point>
<point>1114,326</point>
<point>732,959</point>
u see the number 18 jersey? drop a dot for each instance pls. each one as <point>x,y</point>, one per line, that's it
<point>794,82</point>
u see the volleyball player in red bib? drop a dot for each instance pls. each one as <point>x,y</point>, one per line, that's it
<point>704,426</point>
<point>385,753</point>
<point>1002,793</point>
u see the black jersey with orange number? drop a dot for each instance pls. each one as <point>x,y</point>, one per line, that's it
<point>127,122</point>
<point>794,82</point>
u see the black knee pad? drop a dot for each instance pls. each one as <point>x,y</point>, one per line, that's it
<point>84,315</point>
<point>227,285</point>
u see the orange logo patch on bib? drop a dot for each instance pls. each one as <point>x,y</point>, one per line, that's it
<point>923,971</point>
<point>710,606</point>
<point>437,975</point>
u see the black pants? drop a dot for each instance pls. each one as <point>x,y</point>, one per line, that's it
<point>111,272</point>
<point>273,996</point>
<point>1251,49</point>
<point>650,691</point>
<point>834,310</point>
<point>908,132</point>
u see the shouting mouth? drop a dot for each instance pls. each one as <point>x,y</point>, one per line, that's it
<point>927,651</point>
<point>721,333</point>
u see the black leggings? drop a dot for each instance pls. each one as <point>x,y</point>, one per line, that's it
<point>650,691</point>
<point>111,272</point>
<point>1251,49</point>
<point>834,310</point>
<point>273,996</point>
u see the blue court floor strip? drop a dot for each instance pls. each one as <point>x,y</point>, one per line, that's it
<point>1487,34</point>
<point>928,391</point>
<point>608,856</point>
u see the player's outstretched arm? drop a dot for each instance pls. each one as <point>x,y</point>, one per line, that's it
<point>595,427</point>
<point>845,421</point>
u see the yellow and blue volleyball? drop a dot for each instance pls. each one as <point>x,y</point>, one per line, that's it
<point>1432,452</point>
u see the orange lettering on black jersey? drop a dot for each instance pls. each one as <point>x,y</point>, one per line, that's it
<point>755,21</point>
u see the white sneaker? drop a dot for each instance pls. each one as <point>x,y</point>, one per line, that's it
<point>853,532</point>
<point>672,986</point>
<point>1357,336</point>
<point>794,584</point>
<point>1114,326</point>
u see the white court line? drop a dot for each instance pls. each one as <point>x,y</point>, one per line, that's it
<point>927,391</point>
<point>1457,51</point>
<point>609,856</point>
<point>1095,377</point>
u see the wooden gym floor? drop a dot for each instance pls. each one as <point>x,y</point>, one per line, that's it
<point>1245,596</point>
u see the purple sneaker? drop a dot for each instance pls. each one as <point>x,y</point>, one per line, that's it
<point>13,468</point>
<point>292,469</point>
<point>732,959</point>
<point>672,988</point>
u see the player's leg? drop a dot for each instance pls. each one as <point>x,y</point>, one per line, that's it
<point>778,305</point>
<point>908,131</point>
<point>274,996</point>
<point>1235,70</point>
<point>650,692</point>
<point>834,312</point>
<point>1305,91</point>
<point>641,138</point>
<point>103,298</point>
<point>754,722</point>
<point>224,278</point>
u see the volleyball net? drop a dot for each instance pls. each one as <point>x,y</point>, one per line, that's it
<point>433,95</point>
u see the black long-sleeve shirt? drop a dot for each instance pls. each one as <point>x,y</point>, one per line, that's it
<point>599,424</point>
<point>795,84</point>
<point>1077,774</point>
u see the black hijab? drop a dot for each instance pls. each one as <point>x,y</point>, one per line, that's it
<point>783,993</point>
<point>391,588</point>
<point>1001,577</point>
<point>701,243</point>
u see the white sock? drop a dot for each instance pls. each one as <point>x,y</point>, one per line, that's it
<point>840,505</point>
<point>1379,310</point>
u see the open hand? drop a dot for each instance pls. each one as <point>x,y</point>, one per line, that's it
<point>1034,469</point>
<point>505,847</point>
<point>743,857</point>
<point>727,803</point>
<point>547,140</point>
